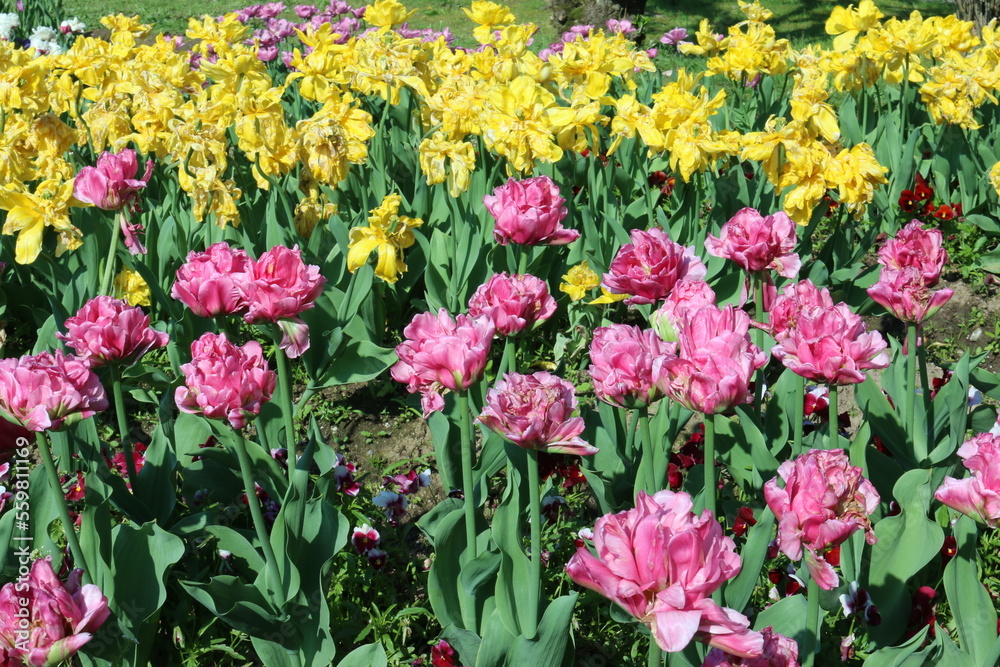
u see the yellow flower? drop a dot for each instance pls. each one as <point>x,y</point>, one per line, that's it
<point>122,23</point>
<point>130,287</point>
<point>847,23</point>
<point>488,15</point>
<point>607,297</point>
<point>29,213</point>
<point>389,234</point>
<point>579,280</point>
<point>995,177</point>
<point>310,211</point>
<point>437,151</point>
<point>387,13</point>
<point>707,44</point>
<point>855,173</point>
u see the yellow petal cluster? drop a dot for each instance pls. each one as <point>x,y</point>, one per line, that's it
<point>388,234</point>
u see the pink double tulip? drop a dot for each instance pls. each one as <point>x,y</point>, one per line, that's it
<point>661,563</point>
<point>779,651</point>
<point>650,265</point>
<point>831,345</point>
<point>112,185</point>
<point>43,621</point>
<point>280,287</point>
<point>529,212</point>
<point>824,500</point>
<point>211,283</point>
<point>686,295</point>
<point>535,412</point>
<point>224,381</point>
<point>621,366</point>
<point>109,331</point>
<point>715,363</point>
<point>442,353</point>
<point>911,266</point>
<point>978,495</point>
<point>49,390</point>
<point>758,243</point>
<point>796,300</point>
<point>513,303</point>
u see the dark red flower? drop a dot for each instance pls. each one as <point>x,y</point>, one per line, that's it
<point>443,655</point>
<point>77,488</point>
<point>744,519</point>
<point>948,549</point>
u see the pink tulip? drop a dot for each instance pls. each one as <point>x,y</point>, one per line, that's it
<point>529,212</point>
<point>831,345</point>
<point>661,563</point>
<point>224,381</point>
<point>915,248</point>
<point>825,499</point>
<point>648,268</point>
<point>622,364</point>
<point>796,299</point>
<point>513,302</point>
<point>779,651</point>
<point>211,283</point>
<point>59,617</point>
<point>905,294</point>
<point>758,243</point>
<point>108,331</point>
<point>716,361</point>
<point>112,184</point>
<point>49,390</point>
<point>978,495</point>
<point>281,286</point>
<point>686,295</point>
<point>534,412</point>
<point>441,353</point>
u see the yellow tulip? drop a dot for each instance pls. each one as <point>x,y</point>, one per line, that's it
<point>388,234</point>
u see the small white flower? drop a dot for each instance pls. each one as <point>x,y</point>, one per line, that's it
<point>7,24</point>
<point>73,25</point>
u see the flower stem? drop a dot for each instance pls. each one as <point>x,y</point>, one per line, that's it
<point>287,407</point>
<point>109,268</point>
<point>116,388</point>
<point>654,476</point>
<point>758,340</point>
<point>655,654</point>
<point>68,527</point>
<point>834,418</point>
<point>468,489</point>
<point>919,445</point>
<point>811,643</point>
<point>709,421</point>
<point>258,517</point>
<point>535,509</point>
<point>798,414</point>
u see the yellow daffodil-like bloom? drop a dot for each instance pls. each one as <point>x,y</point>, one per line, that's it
<point>693,147</point>
<point>953,35</point>
<point>706,42</point>
<point>750,53</point>
<point>384,66</point>
<point>219,35</point>
<point>995,177</point>
<point>771,146</point>
<point>334,137</point>
<point>805,174</point>
<point>809,105</point>
<point>264,137</point>
<point>576,126</point>
<point>855,173</point>
<point>633,117</point>
<point>122,23</point>
<point>238,71</point>
<point>847,23</point>
<point>457,106</point>
<point>755,12</point>
<point>131,288</point>
<point>389,234</point>
<point>579,280</point>
<point>954,90</point>
<point>385,14</point>
<point>898,46</point>
<point>589,65</point>
<point>454,161</point>
<point>851,70</point>
<point>488,16</point>
<point>320,73</point>
<point>16,165</point>
<point>28,214</point>
<point>509,58</point>
<point>310,211</point>
<point>607,297</point>
<point>516,124</point>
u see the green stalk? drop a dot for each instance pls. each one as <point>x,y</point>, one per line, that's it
<point>799,410</point>
<point>811,643</point>
<point>630,446</point>
<point>710,490</point>
<point>287,407</point>
<point>116,388</point>
<point>258,517</point>
<point>53,474</point>
<point>508,362</point>
<point>926,390</point>
<point>655,654</point>
<point>919,444</point>
<point>834,435</point>
<point>523,255</point>
<point>535,508</point>
<point>109,268</point>
<point>654,476</point>
<point>758,340</point>
<point>468,489</point>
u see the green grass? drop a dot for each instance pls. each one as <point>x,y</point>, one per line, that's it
<point>798,20</point>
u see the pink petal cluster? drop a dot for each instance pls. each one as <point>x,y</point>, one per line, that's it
<point>825,499</point>
<point>978,495</point>
<point>277,287</point>
<point>513,303</point>
<point>224,381</point>
<point>831,345</point>
<point>529,212</point>
<point>797,299</point>
<point>911,266</point>
<point>442,353</point>
<point>715,363</point>
<point>108,331</point>
<point>211,283</point>
<point>686,295</point>
<point>535,412</point>
<point>49,390</point>
<point>779,651</point>
<point>758,243</point>
<point>661,563</point>
<point>58,618</point>
<point>111,184</point>
<point>621,367</point>
<point>650,265</point>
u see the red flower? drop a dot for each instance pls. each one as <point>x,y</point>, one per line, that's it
<point>77,488</point>
<point>744,519</point>
<point>443,655</point>
<point>948,549</point>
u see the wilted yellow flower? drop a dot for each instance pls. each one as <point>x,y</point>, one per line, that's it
<point>310,211</point>
<point>437,153</point>
<point>389,234</point>
<point>131,288</point>
<point>847,23</point>
<point>387,13</point>
<point>855,173</point>
<point>579,280</point>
